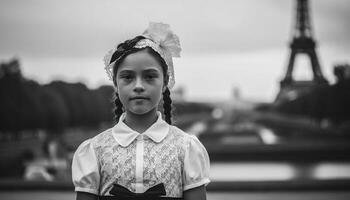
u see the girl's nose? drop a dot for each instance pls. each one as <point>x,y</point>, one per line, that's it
<point>139,85</point>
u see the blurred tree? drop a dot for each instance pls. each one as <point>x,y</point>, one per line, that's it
<point>104,100</point>
<point>329,102</point>
<point>70,97</point>
<point>25,104</point>
<point>84,106</point>
<point>10,82</point>
<point>56,111</point>
<point>31,111</point>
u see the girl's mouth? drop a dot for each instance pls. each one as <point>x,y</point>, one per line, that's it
<point>139,98</point>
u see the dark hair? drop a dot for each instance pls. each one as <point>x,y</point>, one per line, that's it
<point>126,48</point>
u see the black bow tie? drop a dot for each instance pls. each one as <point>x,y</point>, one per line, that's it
<point>123,193</point>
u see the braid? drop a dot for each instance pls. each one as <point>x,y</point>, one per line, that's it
<point>118,107</point>
<point>167,105</point>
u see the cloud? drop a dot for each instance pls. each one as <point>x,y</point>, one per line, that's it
<point>84,28</point>
<point>58,35</point>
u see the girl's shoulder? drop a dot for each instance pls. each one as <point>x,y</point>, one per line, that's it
<point>190,142</point>
<point>177,132</point>
<point>180,134</point>
<point>97,140</point>
<point>101,137</point>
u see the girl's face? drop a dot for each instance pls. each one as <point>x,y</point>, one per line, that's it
<point>140,82</point>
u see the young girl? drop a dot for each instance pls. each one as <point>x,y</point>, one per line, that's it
<point>142,156</point>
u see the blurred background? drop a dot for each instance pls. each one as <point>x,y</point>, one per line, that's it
<point>264,84</point>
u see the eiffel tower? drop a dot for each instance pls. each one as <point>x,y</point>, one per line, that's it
<point>302,43</point>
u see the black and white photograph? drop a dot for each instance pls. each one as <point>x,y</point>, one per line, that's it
<point>177,100</point>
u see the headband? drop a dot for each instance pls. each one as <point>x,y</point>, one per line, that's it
<point>162,40</point>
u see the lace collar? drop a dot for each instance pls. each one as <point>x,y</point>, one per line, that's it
<point>124,135</point>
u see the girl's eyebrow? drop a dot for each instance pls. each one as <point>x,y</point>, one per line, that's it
<point>126,71</point>
<point>152,70</point>
<point>147,70</point>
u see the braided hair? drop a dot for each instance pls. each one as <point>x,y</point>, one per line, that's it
<point>126,48</point>
<point>118,110</point>
<point>167,106</point>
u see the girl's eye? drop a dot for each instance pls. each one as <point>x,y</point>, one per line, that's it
<point>151,76</point>
<point>126,77</point>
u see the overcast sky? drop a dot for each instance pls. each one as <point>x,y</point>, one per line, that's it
<point>226,43</point>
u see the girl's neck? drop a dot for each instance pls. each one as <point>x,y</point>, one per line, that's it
<point>140,123</point>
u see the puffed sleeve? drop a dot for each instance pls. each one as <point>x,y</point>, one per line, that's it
<point>85,171</point>
<point>196,165</point>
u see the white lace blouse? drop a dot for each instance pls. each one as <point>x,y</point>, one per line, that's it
<point>162,154</point>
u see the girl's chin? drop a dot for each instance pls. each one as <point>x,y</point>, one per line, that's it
<point>140,111</point>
